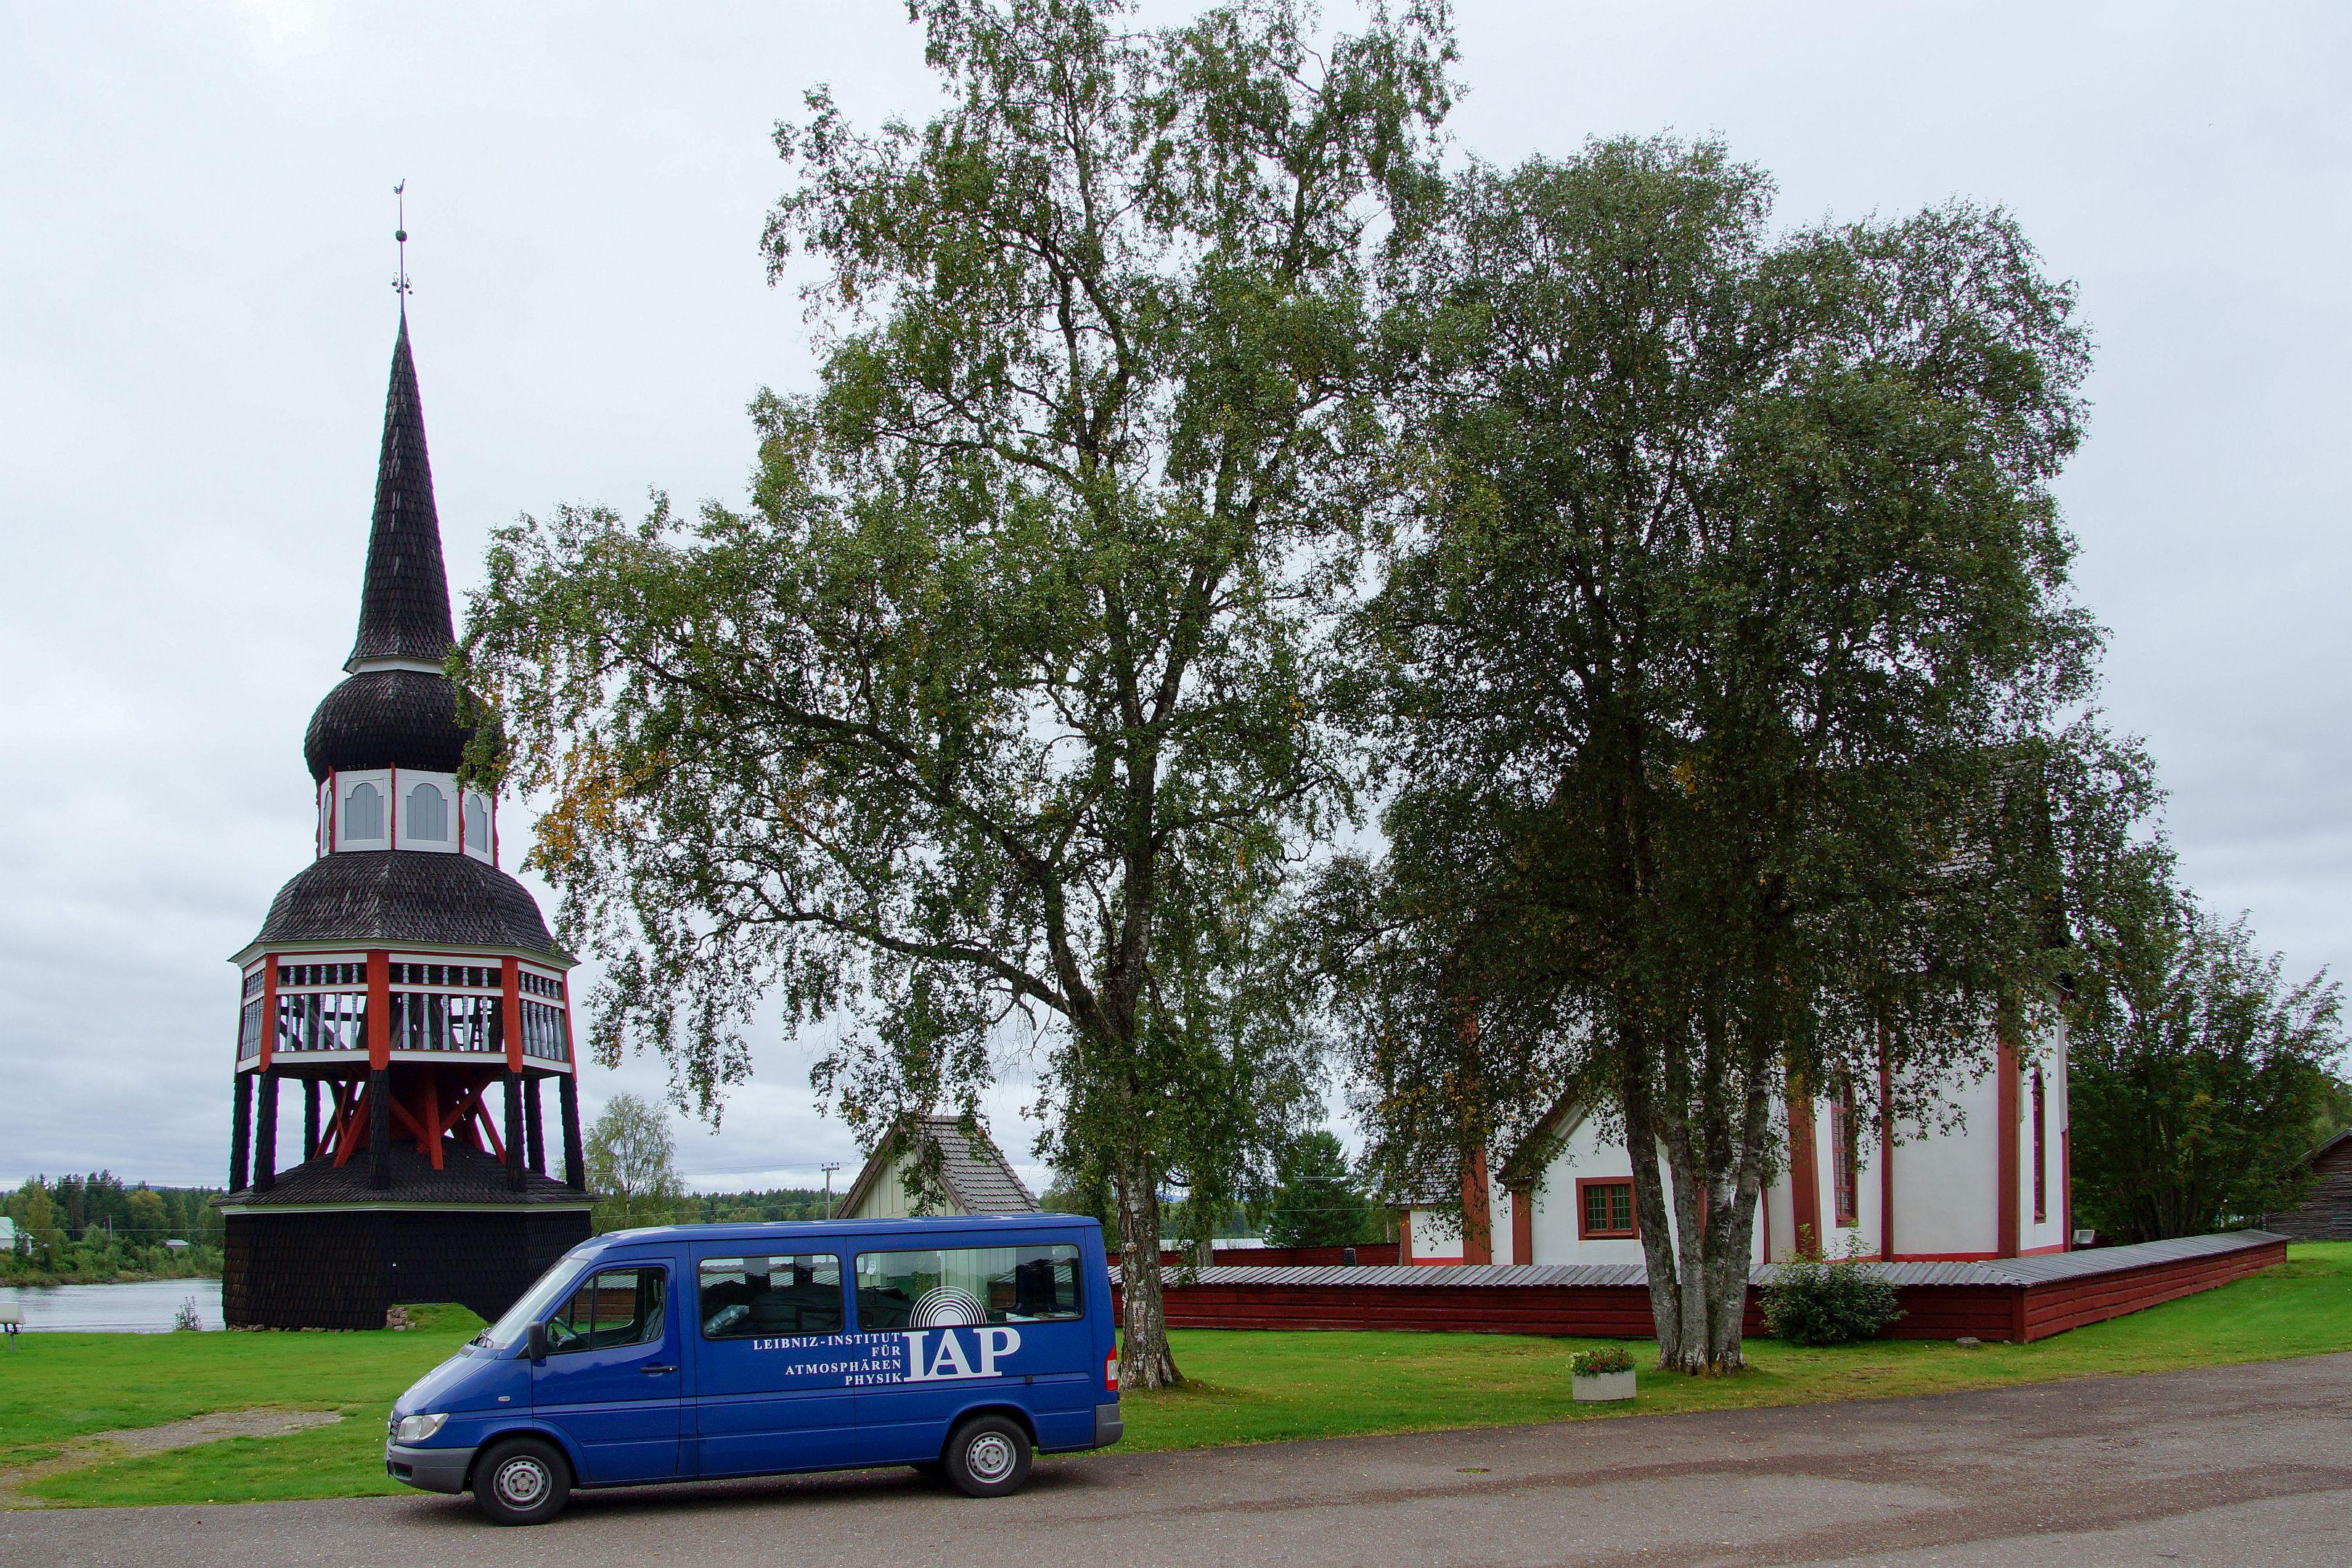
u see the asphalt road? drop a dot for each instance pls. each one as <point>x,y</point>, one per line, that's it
<point>2240,1465</point>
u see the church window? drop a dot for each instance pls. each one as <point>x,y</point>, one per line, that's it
<point>363,813</point>
<point>2041,1162</point>
<point>428,814</point>
<point>478,825</point>
<point>1604,1209</point>
<point>1845,1155</point>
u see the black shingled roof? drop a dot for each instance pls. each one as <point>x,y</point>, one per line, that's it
<point>405,596</point>
<point>406,895</point>
<point>467,1176</point>
<point>386,719</point>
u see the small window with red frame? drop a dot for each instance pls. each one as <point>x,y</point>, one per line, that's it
<point>1604,1209</point>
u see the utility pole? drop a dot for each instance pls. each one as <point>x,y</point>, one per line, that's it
<point>828,1170</point>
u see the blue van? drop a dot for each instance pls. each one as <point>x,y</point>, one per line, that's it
<point>698,1352</point>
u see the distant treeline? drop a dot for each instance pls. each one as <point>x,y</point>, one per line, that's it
<point>779,1203</point>
<point>95,1229</point>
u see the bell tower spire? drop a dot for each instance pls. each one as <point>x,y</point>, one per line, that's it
<point>405,619</point>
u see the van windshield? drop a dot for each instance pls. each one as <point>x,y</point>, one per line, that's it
<point>535,1304</point>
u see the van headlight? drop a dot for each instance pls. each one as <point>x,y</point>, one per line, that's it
<point>416,1428</point>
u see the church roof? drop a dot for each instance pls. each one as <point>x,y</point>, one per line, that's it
<point>978,1177</point>
<point>406,896</point>
<point>404,596</point>
<point>386,719</point>
<point>396,710</point>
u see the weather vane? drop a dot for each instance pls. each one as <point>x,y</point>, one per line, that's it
<point>400,236</point>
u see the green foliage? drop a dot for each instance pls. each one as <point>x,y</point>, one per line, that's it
<point>2335,1114</point>
<point>1725,677</point>
<point>1082,1196</point>
<point>1606,1362</point>
<point>1000,710</point>
<point>93,1230</point>
<point>633,1165</point>
<point>762,1208</point>
<point>2196,1076</point>
<point>1314,1202</point>
<point>1813,1300</point>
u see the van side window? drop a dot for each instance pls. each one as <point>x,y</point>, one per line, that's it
<point>940,1287</point>
<point>753,1298</point>
<point>612,1307</point>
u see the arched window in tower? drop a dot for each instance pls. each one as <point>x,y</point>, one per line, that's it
<point>478,825</point>
<point>363,813</point>
<point>428,814</point>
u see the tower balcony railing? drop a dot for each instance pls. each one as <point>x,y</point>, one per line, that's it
<point>430,1023</point>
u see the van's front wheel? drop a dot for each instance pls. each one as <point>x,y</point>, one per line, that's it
<point>988,1456</point>
<point>522,1482</point>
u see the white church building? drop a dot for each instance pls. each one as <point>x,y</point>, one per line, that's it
<point>1996,1184</point>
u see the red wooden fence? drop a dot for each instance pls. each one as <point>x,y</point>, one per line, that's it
<point>2016,1301</point>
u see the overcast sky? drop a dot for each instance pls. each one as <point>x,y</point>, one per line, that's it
<point>195,318</point>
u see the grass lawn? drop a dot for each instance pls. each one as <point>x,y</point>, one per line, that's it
<point>1246,1387</point>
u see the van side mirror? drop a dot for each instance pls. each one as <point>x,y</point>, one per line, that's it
<point>534,1341</point>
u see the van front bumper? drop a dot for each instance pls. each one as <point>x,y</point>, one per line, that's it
<point>1108,1427</point>
<point>429,1469</point>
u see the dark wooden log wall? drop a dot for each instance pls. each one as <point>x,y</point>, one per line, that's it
<point>2327,1211</point>
<point>343,1269</point>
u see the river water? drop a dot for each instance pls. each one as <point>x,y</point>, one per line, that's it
<point>146,1308</point>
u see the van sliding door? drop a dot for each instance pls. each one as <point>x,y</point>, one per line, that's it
<point>774,1362</point>
<point>976,1325</point>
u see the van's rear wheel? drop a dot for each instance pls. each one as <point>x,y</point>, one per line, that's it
<point>988,1456</point>
<point>524,1480</point>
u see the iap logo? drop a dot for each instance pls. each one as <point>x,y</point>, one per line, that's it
<point>949,1360</point>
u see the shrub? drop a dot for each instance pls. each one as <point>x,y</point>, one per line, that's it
<point>1601,1362</point>
<point>1817,1301</point>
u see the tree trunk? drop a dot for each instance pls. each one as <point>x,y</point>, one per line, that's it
<point>1144,1359</point>
<point>1650,1213</point>
<point>1729,1242</point>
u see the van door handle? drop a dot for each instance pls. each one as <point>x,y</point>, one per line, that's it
<point>657,1370</point>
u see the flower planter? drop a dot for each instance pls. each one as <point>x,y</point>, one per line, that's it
<point>1602,1388</point>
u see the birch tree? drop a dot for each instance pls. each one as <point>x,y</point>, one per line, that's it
<point>1002,706</point>
<point>1731,683</point>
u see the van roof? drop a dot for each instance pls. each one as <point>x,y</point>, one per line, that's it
<point>797,1229</point>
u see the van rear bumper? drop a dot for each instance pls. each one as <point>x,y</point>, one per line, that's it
<point>1108,1427</point>
<point>431,1470</point>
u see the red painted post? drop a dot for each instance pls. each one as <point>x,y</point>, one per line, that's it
<point>379,1011</point>
<point>1885,1161</point>
<point>268,1010</point>
<point>510,1010</point>
<point>1477,1223</point>
<point>1805,1171</point>
<point>2006,1111</point>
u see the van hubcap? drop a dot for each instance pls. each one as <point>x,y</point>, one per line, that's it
<point>989,1458</point>
<point>522,1482</point>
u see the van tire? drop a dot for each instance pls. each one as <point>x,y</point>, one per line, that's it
<point>988,1456</point>
<point>524,1480</point>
